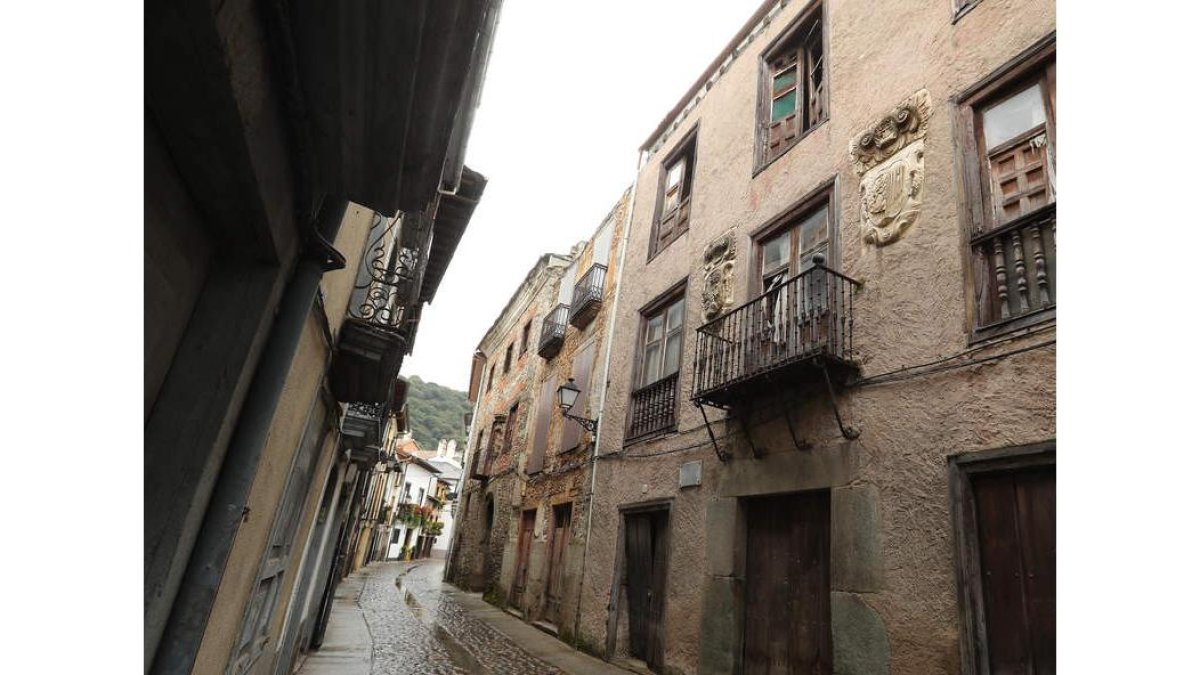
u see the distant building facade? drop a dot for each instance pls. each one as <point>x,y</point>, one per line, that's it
<point>540,488</point>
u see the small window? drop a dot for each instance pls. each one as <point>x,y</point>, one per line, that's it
<point>1007,144</point>
<point>794,96</point>
<point>525,336</point>
<point>491,376</point>
<point>508,353</point>
<point>510,425</point>
<point>675,195</point>
<point>660,346</point>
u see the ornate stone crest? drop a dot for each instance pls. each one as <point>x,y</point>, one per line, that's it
<point>891,195</point>
<point>717,295</point>
<point>908,122</point>
<point>890,159</point>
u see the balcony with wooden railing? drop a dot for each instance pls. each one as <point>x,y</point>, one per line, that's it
<point>588,295</point>
<point>807,321</point>
<point>554,330</point>
<point>1015,272</point>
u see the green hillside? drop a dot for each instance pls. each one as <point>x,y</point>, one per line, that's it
<point>436,412</point>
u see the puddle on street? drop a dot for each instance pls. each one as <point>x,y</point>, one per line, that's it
<point>457,653</point>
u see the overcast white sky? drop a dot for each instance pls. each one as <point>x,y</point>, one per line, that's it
<point>572,90</point>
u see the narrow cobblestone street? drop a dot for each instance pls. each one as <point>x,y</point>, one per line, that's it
<point>415,624</point>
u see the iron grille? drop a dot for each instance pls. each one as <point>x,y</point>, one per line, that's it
<point>652,408</point>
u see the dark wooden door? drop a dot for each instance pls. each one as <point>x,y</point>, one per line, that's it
<point>787,585</point>
<point>645,569</point>
<point>524,539</point>
<point>1015,519</point>
<point>561,536</point>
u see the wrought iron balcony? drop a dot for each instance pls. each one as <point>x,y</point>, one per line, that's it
<point>384,309</point>
<point>589,293</point>
<point>652,408</point>
<point>363,423</point>
<point>554,330</point>
<point>806,321</point>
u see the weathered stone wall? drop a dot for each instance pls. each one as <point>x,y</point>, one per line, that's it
<point>892,565</point>
<point>564,476</point>
<point>477,562</point>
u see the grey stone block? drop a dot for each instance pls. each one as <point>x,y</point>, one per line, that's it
<point>721,626</point>
<point>788,472</point>
<point>860,642</point>
<point>722,524</point>
<point>857,562</point>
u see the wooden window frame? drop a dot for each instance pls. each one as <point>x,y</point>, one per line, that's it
<point>508,354</point>
<point>491,377</point>
<point>962,469</point>
<point>676,293</point>
<point>1036,64</point>
<point>789,219</point>
<point>684,150</point>
<point>788,41</point>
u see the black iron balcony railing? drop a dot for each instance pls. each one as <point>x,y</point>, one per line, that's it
<point>362,425</point>
<point>652,408</point>
<point>589,293</point>
<point>385,289</point>
<point>554,329</point>
<point>809,317</point>
<point>1015,266</point>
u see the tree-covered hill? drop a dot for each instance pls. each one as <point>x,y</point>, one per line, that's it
<point>436,412</point>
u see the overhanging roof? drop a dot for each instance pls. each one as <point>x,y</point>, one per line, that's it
<point>453,215</point>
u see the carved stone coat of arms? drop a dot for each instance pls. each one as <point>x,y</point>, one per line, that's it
<point>890,159</point>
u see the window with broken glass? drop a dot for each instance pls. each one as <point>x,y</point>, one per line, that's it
<point>794,96</point>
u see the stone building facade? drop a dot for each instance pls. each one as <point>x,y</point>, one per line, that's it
<point>830,417</point>
<point>491,461</point>
<point>535,557</point>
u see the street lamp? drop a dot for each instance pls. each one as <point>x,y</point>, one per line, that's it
<point>567,395</point>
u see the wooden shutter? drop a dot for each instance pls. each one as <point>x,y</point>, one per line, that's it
<point>581,370</point>
<point>541,430</point>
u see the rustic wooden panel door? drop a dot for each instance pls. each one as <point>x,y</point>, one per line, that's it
<point>646,574</point>
<point>1015,520</point>
<point>558,546</point>
<point>787,586</point>
<point>524,540</point>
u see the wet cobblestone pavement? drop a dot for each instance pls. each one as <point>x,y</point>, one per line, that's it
<point>417,628</point>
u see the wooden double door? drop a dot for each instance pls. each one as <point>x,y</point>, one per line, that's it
<point>787,629</point>
<point>645,583</point>
<point>1015,523</point>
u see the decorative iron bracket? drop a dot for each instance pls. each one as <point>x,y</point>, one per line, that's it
<point>587,424</point>
<point>849,433</point>
<point>721,455</point>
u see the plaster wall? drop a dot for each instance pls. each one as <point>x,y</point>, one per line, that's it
<point>287,427</point>
<point>893,569</point>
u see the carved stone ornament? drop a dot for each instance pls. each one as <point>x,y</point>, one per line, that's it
<point>890,195</point>
<point>908,122</point>
<point>717,295</point>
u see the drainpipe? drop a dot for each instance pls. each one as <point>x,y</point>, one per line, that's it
<point>612,322</point>
<point>180,642</point>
